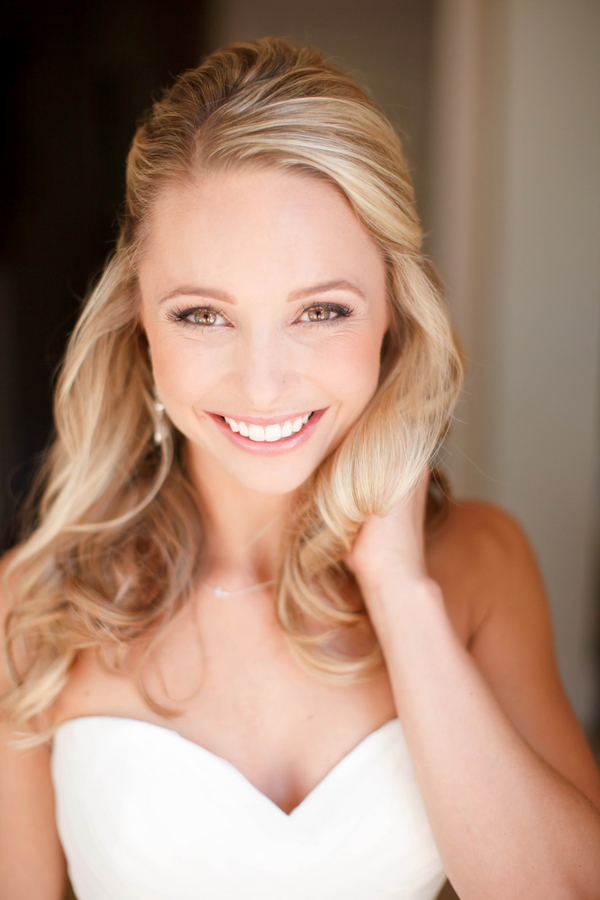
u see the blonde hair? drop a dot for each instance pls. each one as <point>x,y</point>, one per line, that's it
<point>118,538</point>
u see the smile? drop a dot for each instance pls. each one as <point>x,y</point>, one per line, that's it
<point>269,437</point>
<point>270,433</point>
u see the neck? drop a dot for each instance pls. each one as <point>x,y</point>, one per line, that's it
<point>244,529</point>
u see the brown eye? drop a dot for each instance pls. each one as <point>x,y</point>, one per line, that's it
<point>204,317</point>
<point>319,313</point>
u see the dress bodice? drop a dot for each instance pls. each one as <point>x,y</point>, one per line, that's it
<point>145,814</point>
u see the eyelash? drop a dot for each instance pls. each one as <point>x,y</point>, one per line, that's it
<point>180,316</point>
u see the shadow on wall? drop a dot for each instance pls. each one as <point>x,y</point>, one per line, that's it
<point>75,78</point>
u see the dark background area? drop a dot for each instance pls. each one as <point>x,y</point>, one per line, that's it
<point>75,78</point>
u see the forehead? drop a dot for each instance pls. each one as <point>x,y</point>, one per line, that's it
<point>275,227</point>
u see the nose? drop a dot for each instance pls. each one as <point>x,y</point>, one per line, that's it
<point>264,373</point>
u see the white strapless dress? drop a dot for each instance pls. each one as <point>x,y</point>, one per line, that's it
<point>145,814</point>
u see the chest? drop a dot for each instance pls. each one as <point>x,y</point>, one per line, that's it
<point>224,679</point>
<point>242,697</point>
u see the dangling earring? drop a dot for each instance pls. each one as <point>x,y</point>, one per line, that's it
<point>159,408</point>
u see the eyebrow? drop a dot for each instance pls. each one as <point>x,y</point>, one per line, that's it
<point>326,286</point>
<point>195,291</point>
<point>214,294</point>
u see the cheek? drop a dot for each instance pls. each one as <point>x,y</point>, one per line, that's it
<point>350,368</point>
<point>183,372</point>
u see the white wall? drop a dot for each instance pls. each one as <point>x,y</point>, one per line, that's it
<point>516,234</point>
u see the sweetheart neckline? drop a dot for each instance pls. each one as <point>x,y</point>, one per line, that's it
<point>225,763</point>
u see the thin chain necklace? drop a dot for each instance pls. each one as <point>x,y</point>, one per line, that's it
<point>221,592</point>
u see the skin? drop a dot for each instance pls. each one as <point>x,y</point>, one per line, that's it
<point>508,781</point>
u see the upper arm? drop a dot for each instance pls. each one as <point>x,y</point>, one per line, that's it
<point>31,859</point>
<point>513,647</point>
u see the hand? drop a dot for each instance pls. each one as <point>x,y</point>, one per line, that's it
<point>393,545</point>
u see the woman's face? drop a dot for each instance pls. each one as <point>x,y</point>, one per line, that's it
<point>264,301</point>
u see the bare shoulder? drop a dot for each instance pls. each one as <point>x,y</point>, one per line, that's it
<point>31,859</point>
<point>477,556</point>
<point>481,534</point>
<point>8,585</point>
<point>10,575</point>
<point>495,593</point>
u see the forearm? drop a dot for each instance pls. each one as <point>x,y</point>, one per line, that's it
<point>506,823</point>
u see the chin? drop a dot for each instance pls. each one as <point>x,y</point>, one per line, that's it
<point>273,480</point>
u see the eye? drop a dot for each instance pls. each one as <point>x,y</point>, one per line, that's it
<point>324,312</point>
<point>203,316</point>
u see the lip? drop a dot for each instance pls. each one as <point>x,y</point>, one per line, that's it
<point>269,448</point>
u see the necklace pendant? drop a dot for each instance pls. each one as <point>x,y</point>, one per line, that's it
<point>221,592</point>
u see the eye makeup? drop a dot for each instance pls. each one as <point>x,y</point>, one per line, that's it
<point>207,316</point>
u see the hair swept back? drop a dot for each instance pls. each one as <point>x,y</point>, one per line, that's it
<point>118,535</point>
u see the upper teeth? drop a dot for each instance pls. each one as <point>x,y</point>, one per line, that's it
<point>270,432</point>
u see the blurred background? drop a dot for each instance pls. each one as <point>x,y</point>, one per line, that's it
<point>498,104</point>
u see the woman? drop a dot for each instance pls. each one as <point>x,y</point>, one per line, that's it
<point>246,656</point>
